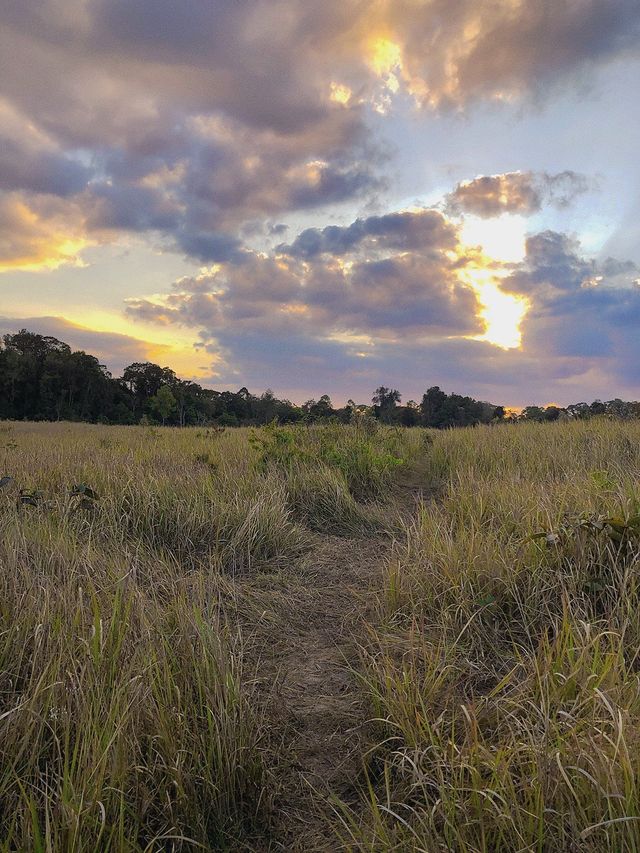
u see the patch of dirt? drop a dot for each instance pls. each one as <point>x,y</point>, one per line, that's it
<point>318,715</point>
<point>317,696</point>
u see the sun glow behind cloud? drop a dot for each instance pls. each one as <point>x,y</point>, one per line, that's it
<point>385,56</point>
<point>174,347</point>
<point>340,94</point>
<point>34,240</point>
<point>501,241</point>
<point>48,257</point>
<point>385,60</point>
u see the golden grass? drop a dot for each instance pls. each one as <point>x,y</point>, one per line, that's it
<point>129,720</point>
<point>501,668</point>
<point>504,668</point>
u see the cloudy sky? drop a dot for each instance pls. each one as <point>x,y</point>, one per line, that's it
<point>324,197</point>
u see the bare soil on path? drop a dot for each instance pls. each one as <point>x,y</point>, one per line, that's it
<point>310,681</point>
<point>317,695</point>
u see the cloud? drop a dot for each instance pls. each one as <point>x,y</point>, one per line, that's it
<point>41,232</point>
<point>582,308</point>
<point>386,299</point>
<point>554,265</point>
<point>515,192</point>
<point>202,124</point>
<point>406,230</point>
<point>31,161</point>
<point>406,283</point>
<point>112,349</point>
<point>191,121</point>
<point>450,54</point>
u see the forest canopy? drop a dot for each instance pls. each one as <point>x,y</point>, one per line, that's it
<point>42,378</point>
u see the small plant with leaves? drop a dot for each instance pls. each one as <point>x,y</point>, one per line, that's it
<point>621,530</point>
<point>30,497</point>
<point>83,497</point>
<point>278,445</point>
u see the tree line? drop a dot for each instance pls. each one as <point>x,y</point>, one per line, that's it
<point>42,378</point>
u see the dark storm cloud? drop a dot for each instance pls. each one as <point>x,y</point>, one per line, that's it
<point>515,192</point>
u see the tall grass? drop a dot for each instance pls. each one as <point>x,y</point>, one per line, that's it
<point>334,475</point>
<point>129,720</point>
<point>125,723</point>
<point>503,670</point>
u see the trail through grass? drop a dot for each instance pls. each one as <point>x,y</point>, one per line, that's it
<point>162,593</point>
<point>315,639</point>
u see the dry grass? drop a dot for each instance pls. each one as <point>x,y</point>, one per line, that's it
<point>140,634</point>
<point>132,624</point>
<point>504,667</point>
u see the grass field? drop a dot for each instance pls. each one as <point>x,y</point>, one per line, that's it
<point>320,638</point>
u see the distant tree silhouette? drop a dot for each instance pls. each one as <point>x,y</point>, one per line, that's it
<point>384,401</point>
<point>41,378</point>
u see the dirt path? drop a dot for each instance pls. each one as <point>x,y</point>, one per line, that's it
<point>319,700</point>
<point>314,616</point>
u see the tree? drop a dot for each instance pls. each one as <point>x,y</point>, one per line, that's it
<point>533,413</point>
<point>433,407</point>
<point>163,402</point>
<point>552,413</point>
<point>188,397</point>
<point>579,411</point>
<point>409,415</point>
<point>144,379</point>
<point>31,344</point>
<point>440,410</point>
<point>385,398</point>
<point>384,401</point>
<point>320,409</point>
<point>41,378</point>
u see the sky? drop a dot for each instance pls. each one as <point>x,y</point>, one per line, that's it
<point>326,197</point>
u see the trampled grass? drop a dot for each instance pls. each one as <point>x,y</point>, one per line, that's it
<point>147,575</point>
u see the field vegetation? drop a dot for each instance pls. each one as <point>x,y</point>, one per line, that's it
<point>322,637</point>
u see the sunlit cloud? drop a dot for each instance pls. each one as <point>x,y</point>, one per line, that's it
<point>340,94</point>
<point>115,344</point>
<point>174,346</point>
<point>40,235</point>
<point>515,192</point>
